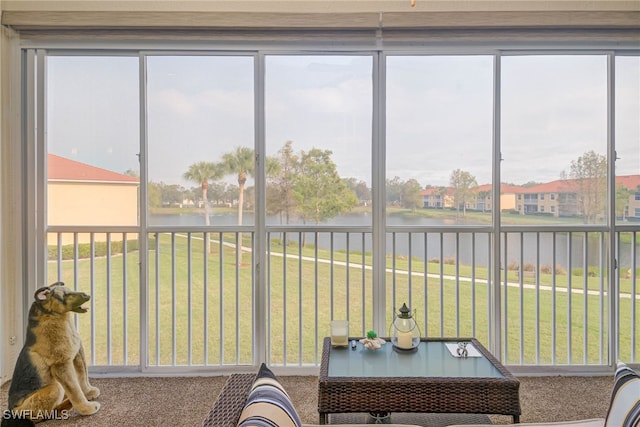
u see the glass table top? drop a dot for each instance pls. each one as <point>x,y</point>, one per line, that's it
<point>432,359</point>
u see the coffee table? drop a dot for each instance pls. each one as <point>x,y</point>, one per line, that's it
<point>429,380</point>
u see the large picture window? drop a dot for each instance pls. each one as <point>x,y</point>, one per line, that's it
<point>222,207</point>
<point>318,119</point>
<point>439,138</point>
<point>200,139</point>
<point>554,137</point>
<point>92,191</point>
<point>93,140</point>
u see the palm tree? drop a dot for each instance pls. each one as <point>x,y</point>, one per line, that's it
<point>201,173</point>
<point>240,162</point>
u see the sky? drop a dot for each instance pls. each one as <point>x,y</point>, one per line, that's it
<point>439,112</point>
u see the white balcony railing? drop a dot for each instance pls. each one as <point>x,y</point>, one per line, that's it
<point>183,305</point>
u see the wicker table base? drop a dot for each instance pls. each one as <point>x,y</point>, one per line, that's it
<point>431,420</point>
<point>428,382</point>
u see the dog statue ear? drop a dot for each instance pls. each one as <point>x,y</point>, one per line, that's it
<point>42,294</point>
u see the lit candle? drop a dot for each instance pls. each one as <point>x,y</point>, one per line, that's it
<point>339,333</point>
<point>405,340</point>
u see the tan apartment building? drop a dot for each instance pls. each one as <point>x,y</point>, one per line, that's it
<point>442,198</point>
<point>437,197</point>
<point>85,195</point>
<point>556,198</point>
<point>562,198</point>
<point>483,203</point>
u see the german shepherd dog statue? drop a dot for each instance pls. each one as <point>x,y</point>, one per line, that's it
<point>50,376</point>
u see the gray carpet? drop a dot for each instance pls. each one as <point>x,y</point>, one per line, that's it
<point>185,401</point>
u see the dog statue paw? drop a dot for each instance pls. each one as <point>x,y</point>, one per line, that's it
<point>88,409</point>
<point>92,393</point>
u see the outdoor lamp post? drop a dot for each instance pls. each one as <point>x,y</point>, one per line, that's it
<point>404,331</point>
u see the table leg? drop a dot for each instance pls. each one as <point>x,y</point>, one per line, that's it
<point>324,418</point>
<point>516,419</point>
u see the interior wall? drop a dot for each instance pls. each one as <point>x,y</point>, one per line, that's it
<point>11,312</point>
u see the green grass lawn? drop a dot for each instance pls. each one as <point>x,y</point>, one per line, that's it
<point>201,313</point>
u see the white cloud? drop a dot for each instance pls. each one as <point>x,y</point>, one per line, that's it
<point>173,101</point>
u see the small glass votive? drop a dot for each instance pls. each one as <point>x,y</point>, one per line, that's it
<point>340,333</point>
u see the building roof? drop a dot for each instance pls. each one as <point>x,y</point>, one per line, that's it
<point>435,191</point>
<point>632,182</point>
<point>63,169</point>
<point>504,188</point>
<point>557,186</point>
<point>570,185</point>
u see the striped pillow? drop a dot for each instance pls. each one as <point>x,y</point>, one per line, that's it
<point>624,410</point>
<point>268,404</point>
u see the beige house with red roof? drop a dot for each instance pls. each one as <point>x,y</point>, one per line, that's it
<point>442,198</point>
<point>81,194</point>
<point>483,197</point>
<point>437,197</point>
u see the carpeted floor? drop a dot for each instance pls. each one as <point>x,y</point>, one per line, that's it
<point>184,401</point>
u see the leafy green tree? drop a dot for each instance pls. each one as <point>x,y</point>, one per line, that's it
<point>590,174</point>
<point>217,192</point>
<point>172,194</point>
<point>411,197</point>
<point>360,188</point>
<point>462,183</point>
<point>154,194</point>
<point>280,191</point>
<point>319,191</point>
<point>394,191</point>
<point>191,193</point>
<point>231,193</point>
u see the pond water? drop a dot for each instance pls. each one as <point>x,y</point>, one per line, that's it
<point>536,248</point>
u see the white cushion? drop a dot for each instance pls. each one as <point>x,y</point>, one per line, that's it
<point>624,410</point>
<point>268,403</point>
